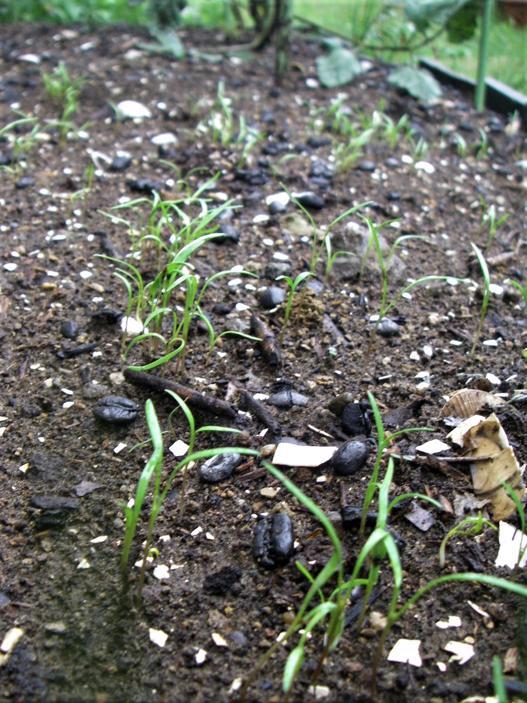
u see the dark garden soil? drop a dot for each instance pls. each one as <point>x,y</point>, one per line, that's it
<point>64,479</point>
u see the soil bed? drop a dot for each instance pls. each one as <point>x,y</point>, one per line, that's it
<point>59,583</point>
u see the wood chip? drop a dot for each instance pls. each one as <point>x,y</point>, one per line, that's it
<point>158,637</point>
<point>288,454</point>
<point>406,652</point>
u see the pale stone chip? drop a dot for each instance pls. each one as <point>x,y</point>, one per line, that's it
<point>178,449</point>
<point>161,571</point>
<point>200,657</point>
<point>461,651</point>
<point>406,652</point>
<point>288,454</point>
<point>452,621</point>
<point>513,545</point>
<point>218,640</point>
<point>434,446</point>
<point>11,638</point>
<point>83,564</point>
<point>319,692</point>
<point>99,540</point>
<point>157,637</point>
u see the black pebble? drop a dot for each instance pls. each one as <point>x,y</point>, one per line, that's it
<point>367,166</point>
<point>271,297</point>
<point>25,182</point>
<point>309,200</point>
<point>145,185</point>
<point>69,329</point>
<point>116,410</point>
<point>350,457</point>
<point>353,420</point>
<point>286,398</point>
<point>106,316</point>
<point>229,234</point>
<point>120,163</point>
<point>219,468</point>
<point>273,540</point>
<point>76,351</point>
<point>387,328</point>
<point>317,142</point>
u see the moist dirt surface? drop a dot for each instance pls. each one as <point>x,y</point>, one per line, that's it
<point>65,476</point>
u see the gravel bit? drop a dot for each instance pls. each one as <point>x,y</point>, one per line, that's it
<point>350,457</point>
<point>274,540</point>
<point>116,410</point>
<point>218,468</point>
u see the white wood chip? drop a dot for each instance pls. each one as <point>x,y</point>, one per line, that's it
<point>434,446</point>
<point>406,652</point>
<point>131,326</point>
<point>461,651</point>
<point>218,640</point>
<point>288,454</point>
<point>157,637</point>
<point>83,564</point>
<point>161,572</point>
<point>119,447</point>
<point>451,621</point>
<point>512,542</point>
<point>11,638</point>
<point>197,531</point>
<point>99,540</point>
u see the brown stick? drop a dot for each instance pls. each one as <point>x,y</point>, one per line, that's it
<point>262,413</point>
<point>195,400</point>
<point>268,342</point>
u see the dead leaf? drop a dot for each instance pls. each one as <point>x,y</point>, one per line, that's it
<point>469,401</point>
<point>492,462</point>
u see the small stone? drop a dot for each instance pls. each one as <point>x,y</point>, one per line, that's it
<point>392,162</point>
<point>69,329</point>
<point>146,186</point>
<point>367,166</point>
<point>270,297</point>
<point>131,110</point>
<point>278,268</point>
<point>273,542</point>
<point>387,328</point>
<point>350,457</point>
<point>309,200</point>
<point>164,139</point>
<point>286,398</point>
<point>25,182</point>
<point>425,166</point>
<point>228,234</point>
<point>316,142</point>
<point>277,202</point>
<point>354,421</point>
<point>54,504</point>
<point>120,162</point>
<point>116,410</point>
<point>218,468</point>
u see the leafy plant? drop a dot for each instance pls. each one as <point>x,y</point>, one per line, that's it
<point>467,527</point>
<point>153,470</point>
<point>491,221</point>
<point>486,295</point>
<point>338,66</point>
<point>292,285</point>
<point>498,681</point>
<point>64,91</point>
<point>386,305</point>
<point>521,287</point>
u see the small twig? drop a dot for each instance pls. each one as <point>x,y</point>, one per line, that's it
<point>248,402</point>
<point>268,344</point>
<point>196,400</point>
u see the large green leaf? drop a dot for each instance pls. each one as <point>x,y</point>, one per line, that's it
<point>425,12</point>
<point>168,43</point>
<point>419,83</point>
<point>462,25</point>
<point>338,67</point>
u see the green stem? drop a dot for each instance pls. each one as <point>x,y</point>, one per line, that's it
<point>483,54</point>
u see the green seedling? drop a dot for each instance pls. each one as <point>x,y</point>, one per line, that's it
<point>486,295</point>
<point>21,143</point>
<point>461,145</point>
<point>215,337</point>
<point>520,511</point>
<point>498,681</point>
<point>420,148</point>
<point>386,305</point>
<point>521,287</point>
<point>153,471</point>
<point>292,285</point>
<point>325,609</point>
<point>491,221</point>
<point>468,527</point>
<point>64,91</point>
<point>347,153</point>
<point>482,148</point>
<point>318,243</point>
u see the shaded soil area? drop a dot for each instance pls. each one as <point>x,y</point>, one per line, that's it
<point>65,474</point>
